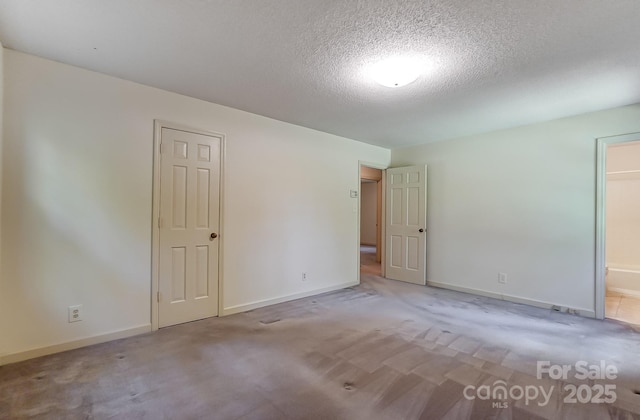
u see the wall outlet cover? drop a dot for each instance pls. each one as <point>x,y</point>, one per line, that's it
<point>75,313</point>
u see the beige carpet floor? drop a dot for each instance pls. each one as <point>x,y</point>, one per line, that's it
<point>382,350</point>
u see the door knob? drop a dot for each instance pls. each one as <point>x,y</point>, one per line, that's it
<point>421,230</point>
<point>213,236</point>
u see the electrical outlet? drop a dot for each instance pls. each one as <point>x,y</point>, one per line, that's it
<point>502,278</point>
<point>75,313</point>
<point>304,276</point>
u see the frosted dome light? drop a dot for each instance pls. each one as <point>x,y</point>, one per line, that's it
<point>396,72</point>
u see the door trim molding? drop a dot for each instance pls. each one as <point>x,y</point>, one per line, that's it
<point>158,125</point>
<point>601,215</point>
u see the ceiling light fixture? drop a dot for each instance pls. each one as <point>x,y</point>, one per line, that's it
<point>396,71</point>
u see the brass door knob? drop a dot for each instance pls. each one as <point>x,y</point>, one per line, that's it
<point>213,236</point>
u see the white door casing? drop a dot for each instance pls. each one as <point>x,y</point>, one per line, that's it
<point>406,222</point>
<point>189,221</point>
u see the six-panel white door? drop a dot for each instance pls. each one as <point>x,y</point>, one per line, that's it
<point>189,225</point>
<point>406,221</point>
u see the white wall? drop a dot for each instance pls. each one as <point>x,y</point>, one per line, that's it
<point>623,216</point>
<point>77,202</point>
<point>519,201</point>
<point>368,212</point>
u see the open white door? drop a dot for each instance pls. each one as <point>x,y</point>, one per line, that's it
<point>189,225</point>
<point>406,221</point>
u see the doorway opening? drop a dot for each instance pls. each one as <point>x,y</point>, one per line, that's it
<point>371,220</point>
<point>622,272</point>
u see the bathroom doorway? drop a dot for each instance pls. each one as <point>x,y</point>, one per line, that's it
<point>622,276</point>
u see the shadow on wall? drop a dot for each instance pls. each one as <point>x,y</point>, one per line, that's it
<point>74,241</point>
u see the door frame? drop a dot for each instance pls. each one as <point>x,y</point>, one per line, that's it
<point>601,215</point>
<point>158,125</point>
<point>383,168</point>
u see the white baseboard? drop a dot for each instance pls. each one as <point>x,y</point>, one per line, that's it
<point>625,268</point>
<point>70,345</point>
<point>266,302</point>
<point>624,292</point>
<point>587,313</point>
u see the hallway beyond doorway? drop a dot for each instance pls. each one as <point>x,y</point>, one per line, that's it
<point>368,264</point>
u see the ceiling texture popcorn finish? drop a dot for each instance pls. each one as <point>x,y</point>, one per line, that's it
<point>490,64</point>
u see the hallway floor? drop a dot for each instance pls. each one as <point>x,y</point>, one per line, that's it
<point>368,264</point>
<point>623,308</point>
<point>381,350</point>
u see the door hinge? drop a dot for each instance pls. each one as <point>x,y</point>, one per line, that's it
<point>159,222</point>
<point>158,297</point>
<point>161,148</point>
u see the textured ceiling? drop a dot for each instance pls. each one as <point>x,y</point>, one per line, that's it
<point>492,63</point>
